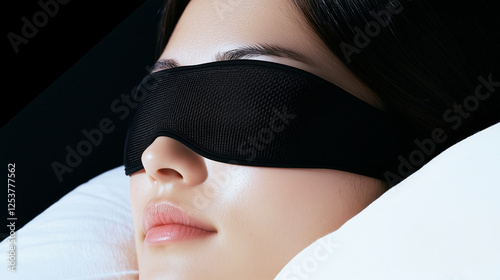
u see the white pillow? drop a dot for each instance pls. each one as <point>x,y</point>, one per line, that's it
<point>440,223</point>
<point>443,222</point>
<point>87,234</point>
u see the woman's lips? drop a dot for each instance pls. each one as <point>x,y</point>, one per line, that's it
<point>165,223</point>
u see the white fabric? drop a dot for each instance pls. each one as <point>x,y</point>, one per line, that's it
<point>442,223</point>
<point>87,234</point>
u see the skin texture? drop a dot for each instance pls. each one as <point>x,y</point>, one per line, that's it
<point>263,216</point>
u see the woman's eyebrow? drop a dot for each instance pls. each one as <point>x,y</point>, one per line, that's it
<point>163,64</point>
<point>258,50</point>
<point>240,53</point>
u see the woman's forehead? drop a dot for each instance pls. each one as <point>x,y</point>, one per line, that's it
<point>210,26</point>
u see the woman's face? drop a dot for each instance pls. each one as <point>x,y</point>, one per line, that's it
<point>241,222</point>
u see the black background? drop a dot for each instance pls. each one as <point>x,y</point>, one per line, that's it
<point>63,81</point>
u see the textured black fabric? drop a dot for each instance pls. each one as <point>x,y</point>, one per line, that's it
<point>260,113</point>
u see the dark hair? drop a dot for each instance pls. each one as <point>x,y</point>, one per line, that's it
<point>172,11</point>
<point>426,58</point>
<point>423,59</point>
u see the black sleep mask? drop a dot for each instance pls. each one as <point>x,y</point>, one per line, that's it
<point>258,113</point>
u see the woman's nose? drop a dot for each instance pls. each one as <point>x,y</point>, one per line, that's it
<point>167,160</point>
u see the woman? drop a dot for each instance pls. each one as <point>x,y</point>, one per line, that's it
<point>202,216</point>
